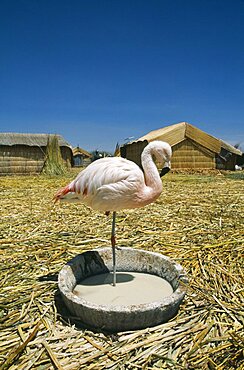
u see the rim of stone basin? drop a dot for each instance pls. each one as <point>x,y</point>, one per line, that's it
<point>162,266</point>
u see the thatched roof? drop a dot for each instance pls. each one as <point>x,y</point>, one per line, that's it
<point>10,138</point>
<point>77,150</point>
<point>230,148</point>
<point>174,134</point>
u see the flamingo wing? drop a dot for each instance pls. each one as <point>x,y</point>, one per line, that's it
<point>109,184</point>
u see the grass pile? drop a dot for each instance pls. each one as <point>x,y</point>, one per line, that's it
<point>197,221</point>
<point>54,163</point>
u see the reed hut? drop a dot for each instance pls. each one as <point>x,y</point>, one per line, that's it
<point>22,154</point>
<point>192,148</point>
<point>81,157</point>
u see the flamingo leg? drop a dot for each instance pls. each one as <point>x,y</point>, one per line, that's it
<point>113,242</point>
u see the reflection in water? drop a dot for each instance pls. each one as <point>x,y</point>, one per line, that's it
<point>102,279</point>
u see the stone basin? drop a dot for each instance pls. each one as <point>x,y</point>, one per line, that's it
<point>86,287</point>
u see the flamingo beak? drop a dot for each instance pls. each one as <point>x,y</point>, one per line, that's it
<point>165,169</point>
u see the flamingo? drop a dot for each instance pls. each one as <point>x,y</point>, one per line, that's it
<point>111,184</point>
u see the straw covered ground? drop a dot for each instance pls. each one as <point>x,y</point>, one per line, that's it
<point>197,221</point>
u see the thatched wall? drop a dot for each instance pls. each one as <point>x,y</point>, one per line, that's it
<point>22,159</point>
<point>187,155</point>
<point>82,158</point>
<point>81,161</point>
<point>192,148</point>
<point>19,159</point>
<point>226,160</point>
<point>133,151</point>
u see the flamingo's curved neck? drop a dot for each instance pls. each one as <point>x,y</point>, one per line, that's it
<point>152,178</point>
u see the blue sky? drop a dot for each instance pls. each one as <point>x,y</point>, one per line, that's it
<point>99,71</point>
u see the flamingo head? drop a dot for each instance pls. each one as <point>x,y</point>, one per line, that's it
<point>162,153</point>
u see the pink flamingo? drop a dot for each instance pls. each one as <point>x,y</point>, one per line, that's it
<point>114,183</point>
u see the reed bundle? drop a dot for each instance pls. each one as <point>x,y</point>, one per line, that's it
<point>197,221</point>
<point>54,163</point>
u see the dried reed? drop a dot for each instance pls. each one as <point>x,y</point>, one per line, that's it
<point>54,163</point>
<point>198,221</point>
